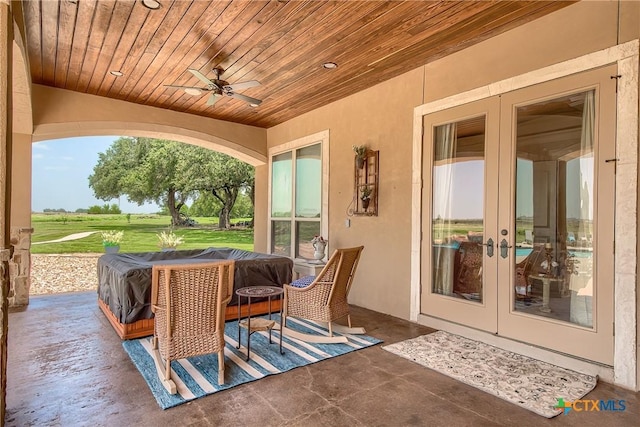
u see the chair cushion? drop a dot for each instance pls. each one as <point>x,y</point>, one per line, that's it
<point>303,282</point>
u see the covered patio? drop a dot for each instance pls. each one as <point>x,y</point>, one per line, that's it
<point>401,69</point>
<point>64,374</point>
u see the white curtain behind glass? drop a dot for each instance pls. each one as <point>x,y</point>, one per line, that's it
<point>444,153</point>
<point>309,181</point>
<point>586,164</point>
<point>281,186</point>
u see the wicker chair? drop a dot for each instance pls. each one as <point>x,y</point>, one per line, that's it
<point>528,266</point>
<point>189,302</point>
<point>325,299</point>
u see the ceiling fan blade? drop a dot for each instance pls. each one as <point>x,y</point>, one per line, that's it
<point>245,98</point>
<point>213,99</point>
<point>185,87</point>
<point>201,77</point>
<point>242,85</point>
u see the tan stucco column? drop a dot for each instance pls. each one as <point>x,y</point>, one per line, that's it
<point>21,231</point>
<point>6,43</point>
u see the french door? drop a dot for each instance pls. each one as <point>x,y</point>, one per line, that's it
<point>518,214</point>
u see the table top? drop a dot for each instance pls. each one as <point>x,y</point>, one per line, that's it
<point>259,291</point>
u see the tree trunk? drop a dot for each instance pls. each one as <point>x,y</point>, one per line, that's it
<point>252,196</point>
<point>227,196</point>
<point>223,219</point>
<point>173,210</point>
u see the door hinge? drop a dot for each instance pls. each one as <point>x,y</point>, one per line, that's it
<point>614,328</point>
<point>617,77</point>
<point>615,164</point>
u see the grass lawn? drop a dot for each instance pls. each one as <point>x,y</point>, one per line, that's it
<point>139,233</point>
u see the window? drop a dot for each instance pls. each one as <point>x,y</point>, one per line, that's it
<point>298,195</point>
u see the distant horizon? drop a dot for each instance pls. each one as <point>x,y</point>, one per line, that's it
<point>60,176</point>
<point>53,212</point>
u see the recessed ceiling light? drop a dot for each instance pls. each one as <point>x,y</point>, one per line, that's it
<point>151,4</point>
<point>329,65</point>
<point>193,91</point>
<point>253,105</point>
<point>116,73</point>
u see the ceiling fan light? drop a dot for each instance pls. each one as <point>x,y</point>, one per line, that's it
<point>116,73</point>
<point>329,65</point>
<point>151,4</point>
<point>193,91</point>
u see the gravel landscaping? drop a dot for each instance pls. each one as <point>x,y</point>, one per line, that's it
<point>52,274</point>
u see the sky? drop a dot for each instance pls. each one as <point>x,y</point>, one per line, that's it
<point>467,188</point>
<point>60,175</point>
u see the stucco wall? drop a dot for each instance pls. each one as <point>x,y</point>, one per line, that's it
<point>21,181</point>
<point>59,113</point>
<point>568,33</point>
<point>382,117</point>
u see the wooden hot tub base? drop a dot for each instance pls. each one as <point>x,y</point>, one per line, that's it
<point>144,327</point>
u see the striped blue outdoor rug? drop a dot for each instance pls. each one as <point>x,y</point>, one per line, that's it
<point>198,376</point>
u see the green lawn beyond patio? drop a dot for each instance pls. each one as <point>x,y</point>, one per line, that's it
<point>139,233</point>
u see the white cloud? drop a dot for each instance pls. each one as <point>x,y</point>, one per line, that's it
<point>68,158</point>
<point>41,146</point>
<point>38,156</point>
<point>56,168</point>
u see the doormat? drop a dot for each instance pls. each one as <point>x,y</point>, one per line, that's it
<point>526,382</point>
<point>198,376</point>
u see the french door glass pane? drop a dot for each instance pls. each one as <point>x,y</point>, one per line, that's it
<point>281,238</point>
<point>309,181</point>
<point>458,208</point>
<point>305,231</point>
<point>554,208</point>
<point>281,185</point>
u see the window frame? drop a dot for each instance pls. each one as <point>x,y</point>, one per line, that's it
<point>321,138</point>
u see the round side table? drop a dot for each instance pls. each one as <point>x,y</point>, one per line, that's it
<point>258,324</point>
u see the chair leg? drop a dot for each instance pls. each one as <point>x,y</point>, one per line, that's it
<point>330,330</point>
<point>163,374</point>
<point>167,369</point>
<point>221,367</point>
<point>349,319</point>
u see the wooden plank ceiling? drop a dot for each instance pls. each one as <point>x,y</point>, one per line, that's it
<point>75,44</point>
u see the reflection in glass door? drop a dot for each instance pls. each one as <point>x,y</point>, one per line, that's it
<point>557,202</point>
<point>554,208</point>
<point>518,215</point>
<point>460,214</point>
<point>457,209</point>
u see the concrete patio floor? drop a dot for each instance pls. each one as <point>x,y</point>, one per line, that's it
<point>67,367</point>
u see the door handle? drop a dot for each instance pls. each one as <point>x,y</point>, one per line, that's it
<point>489,246</point>
<point>504,248</point>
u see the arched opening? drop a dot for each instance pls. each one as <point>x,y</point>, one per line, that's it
<point>22,280</point>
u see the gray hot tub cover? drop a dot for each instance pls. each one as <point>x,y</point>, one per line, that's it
<point>124,279</point>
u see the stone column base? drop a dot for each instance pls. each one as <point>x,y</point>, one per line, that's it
<point>20,267</point>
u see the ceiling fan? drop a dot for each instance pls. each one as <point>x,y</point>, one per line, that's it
<point>219,88</point>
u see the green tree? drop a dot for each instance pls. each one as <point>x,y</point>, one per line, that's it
<point>105,209</point>
<point>244,205</point>
<point>168,173</point>
<point>224,176</point>
<point>205,205</point>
